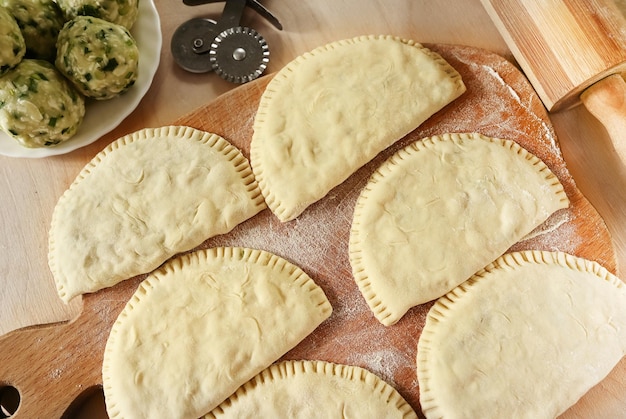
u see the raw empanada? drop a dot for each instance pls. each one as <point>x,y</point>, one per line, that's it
<point>203,325</point>
<point>333,109</point>
<point>441,209</point>
<point>144,198</point>
<point>524,338</point>
<point>314,389</point>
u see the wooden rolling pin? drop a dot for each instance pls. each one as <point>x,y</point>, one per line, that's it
<point>572,51</point>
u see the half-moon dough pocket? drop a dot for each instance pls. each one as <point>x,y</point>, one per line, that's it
<point>331,110</point>
<point>201,326</point>
<point>524,338</point>
<point>439,210</point>
<point>314,389</point>
<point>144,198</point>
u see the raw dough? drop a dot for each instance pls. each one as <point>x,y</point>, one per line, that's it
<point>203,325</point>
<point>333,109</point>
<point>524,338</point>
<point>314,389</point>
<point>441,209</point>
<point>144,198</point>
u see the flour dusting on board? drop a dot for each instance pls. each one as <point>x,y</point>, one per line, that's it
<point>547,129</point>
<point>556,227</point>
<point>497,77</point>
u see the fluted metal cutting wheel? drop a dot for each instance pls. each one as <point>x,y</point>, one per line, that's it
<point>239,54</point>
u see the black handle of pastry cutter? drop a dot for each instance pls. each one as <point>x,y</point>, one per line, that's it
<point>233,10</point>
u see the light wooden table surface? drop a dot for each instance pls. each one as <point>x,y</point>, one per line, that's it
<point>31,187</point>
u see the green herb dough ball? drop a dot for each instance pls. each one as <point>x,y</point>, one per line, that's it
<point>40,22</point>
<point>99,57</point>
<point>121,12</point>
<point>12,46</point>
<point>38,106</point>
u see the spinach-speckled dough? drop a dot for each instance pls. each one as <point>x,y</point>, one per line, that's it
<point>12,46</point>
<point>121,12</point>
<point>101,58</point>
<point>38,106</point>
<point>40,22</point>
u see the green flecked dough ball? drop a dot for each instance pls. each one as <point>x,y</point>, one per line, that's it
<point>40,22</point>
<point>38,106</point>
<point>101,58</point>
<point>12,46</point>
<point>121,12</point>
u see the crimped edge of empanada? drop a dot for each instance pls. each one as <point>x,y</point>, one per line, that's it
<point>287,369</point>
<point>245,255</point>
<point>273,202</point>
<point>440,311</point>
<point>379,308</point>
<point>182,133</point>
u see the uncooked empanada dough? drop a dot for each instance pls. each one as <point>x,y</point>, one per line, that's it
<point>144,198</point>
<point>314,389</point>
<point>201,326</point>
<point>333,109</point>
<point>441,209</point>
<point>524,338</point>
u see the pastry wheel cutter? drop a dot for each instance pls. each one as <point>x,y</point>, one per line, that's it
<point>236,53</point>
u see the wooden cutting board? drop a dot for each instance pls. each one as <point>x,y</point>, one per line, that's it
<point>55,367</point>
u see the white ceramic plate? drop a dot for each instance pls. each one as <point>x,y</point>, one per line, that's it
<point>103,116</point>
